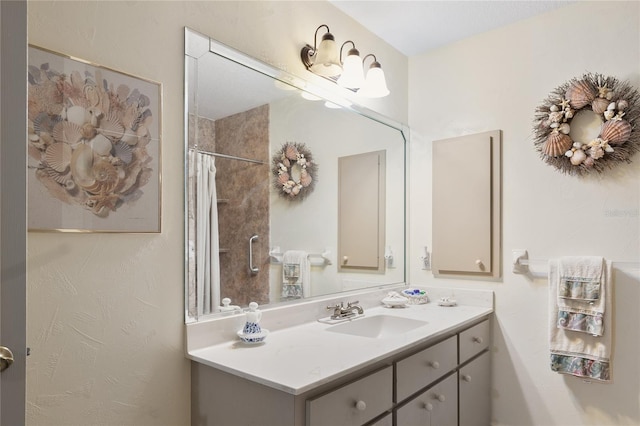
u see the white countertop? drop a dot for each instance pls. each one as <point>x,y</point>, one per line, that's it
<point>300,358</point>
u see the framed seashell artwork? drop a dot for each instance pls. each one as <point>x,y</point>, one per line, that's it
<point>588,124</point>
<point>93,144</point>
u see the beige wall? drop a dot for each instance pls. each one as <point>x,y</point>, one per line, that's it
<point>495,81</point>
<point>105,312</point>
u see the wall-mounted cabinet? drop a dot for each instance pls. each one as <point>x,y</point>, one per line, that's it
<point>467,205</point>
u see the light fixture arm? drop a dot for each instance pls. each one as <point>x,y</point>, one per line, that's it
<point>308,52</point>
<point>375,63</point>
<point>352,51</point>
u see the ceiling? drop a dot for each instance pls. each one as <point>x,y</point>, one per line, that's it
<point>414,27</point>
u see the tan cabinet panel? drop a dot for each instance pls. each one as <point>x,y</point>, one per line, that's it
<point>466,205</point>
<point>361,213</point>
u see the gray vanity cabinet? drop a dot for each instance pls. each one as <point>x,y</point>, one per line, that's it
<point>457,376</point>
<point>443,382</point>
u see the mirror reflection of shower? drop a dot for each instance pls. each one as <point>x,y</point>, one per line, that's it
<point>237,205</point>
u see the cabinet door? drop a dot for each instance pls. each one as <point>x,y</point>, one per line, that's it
<point>466,205</point>
<point>361,213</point>
<point>437,406</point>
<point>475,392</point>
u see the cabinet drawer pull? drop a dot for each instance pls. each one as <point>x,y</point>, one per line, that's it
<point>428,406</point>
<point>434,364</point>
<point>361,405</point>
<point>466,377</point>
<point>478,340</point>
<point>440,397</point>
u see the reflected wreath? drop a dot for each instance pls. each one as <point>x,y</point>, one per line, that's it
<point>614,102</point>
<point>294,170</point>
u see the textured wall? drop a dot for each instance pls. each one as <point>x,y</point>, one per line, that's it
<point>495,81</point>
<point>106,312</point>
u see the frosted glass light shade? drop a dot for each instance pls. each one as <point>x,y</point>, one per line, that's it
<point>352,74</point>
<point>375,85</point>
<point>326,61</point>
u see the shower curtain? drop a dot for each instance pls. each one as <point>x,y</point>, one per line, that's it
<point>204,227</point>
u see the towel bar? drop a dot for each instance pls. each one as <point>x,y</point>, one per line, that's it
<point>521,263</point>
<point>316,259</point>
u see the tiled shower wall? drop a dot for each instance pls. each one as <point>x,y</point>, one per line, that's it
<point>243,200</point>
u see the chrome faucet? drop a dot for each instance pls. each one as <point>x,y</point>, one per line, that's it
<point>342,312</point>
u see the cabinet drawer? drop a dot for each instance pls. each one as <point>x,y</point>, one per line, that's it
<point>435,406</point>
<point>474,340</point>
<point>419,370</point>
<point>355,403</point>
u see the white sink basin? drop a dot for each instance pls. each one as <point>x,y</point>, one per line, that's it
<point>377,326</point>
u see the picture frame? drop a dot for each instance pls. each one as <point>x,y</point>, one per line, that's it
<point>94,147</point>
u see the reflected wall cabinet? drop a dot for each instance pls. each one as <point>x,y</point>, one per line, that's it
<point>361,213</point>
<point>467,205</point>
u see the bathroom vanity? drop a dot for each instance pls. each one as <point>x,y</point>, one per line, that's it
<point>437,372</point>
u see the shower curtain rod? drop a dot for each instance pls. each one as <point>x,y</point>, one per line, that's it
<point>231,157</point>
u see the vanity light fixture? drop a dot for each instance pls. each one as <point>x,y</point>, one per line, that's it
<point>352,76</point>
<point>375,84</point>
<point>325,61</point>
<point>322,60</point>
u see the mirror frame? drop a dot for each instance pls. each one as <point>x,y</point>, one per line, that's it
<point>325,90</point>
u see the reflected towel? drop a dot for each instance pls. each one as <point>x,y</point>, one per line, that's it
<point>580,353</point>
<point>296,274</point>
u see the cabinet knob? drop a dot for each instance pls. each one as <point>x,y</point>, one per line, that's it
<point>478,340</point>
<point>434,364</point>
<point>440,397</point>
<point>466,377</point>
<point>480,264</point>
<point>361,405</point>
<point>428,406</point>
<point>345,259</point>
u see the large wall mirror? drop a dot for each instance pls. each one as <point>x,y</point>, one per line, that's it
<point>247,239</point>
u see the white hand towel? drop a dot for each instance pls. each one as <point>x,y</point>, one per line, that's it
<point>576,353</point>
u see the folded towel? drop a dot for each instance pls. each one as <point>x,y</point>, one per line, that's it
<point>580,285</point>
<point>580,353</point>
<point>296,274</point>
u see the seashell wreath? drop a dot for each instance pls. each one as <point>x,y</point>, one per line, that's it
<point>617,105</point>
<point>89,138</point>
<point>294,170</point>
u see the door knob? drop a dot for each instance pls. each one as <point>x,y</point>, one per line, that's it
<point>6,358</point>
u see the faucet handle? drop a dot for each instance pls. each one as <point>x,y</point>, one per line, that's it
<point>336,306</point>
<point>355,302</point>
